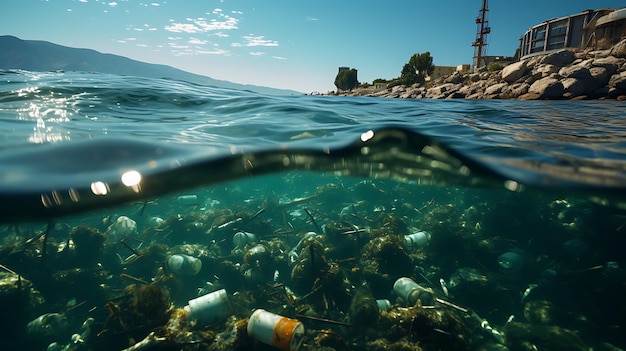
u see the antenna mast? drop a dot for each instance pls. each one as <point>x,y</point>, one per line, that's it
<point>480,45</point>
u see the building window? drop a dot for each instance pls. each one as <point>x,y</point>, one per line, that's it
<point>537,46</point>
<point>556,42</point>
<point>559,29</point>
<point>540,34</point>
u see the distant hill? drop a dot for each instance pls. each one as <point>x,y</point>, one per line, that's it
<point>43,56</point>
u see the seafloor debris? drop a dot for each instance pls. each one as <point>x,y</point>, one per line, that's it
<point>360,265</point>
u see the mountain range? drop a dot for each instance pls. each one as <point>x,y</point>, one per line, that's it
<point>43,56</point>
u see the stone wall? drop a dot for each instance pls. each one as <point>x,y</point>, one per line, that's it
<point>560,75</point>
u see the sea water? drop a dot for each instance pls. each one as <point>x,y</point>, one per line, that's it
<point>104,177</point>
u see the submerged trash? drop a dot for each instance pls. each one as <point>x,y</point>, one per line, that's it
<point>275,330</point>
<point>511,261</point>
<point>411,292</point>
<point>342,263</point>
<point>416,240</point>
<point>47,325</point>
<point>209,308</point>
<point>182,264</point>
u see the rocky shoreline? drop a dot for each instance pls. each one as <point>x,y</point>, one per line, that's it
<point>555,76</point>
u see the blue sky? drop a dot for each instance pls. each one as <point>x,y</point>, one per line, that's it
<point>292,44</point>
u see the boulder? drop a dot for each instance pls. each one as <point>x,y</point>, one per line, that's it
<point>611,63</point>
<point>618,81</point>
<point>454,78</point>
<point>599,53</point>
<point>559,58</point>
<point>600,75</point>
<point>513,72</point>
<point>398,89</point>
<point>573,87</point>
<point>619,49</point>
<point>514,91</point>
<point>533,77</point>
<point>436,92</point>
<point>456,95</point>
<point>495,89</point>
<point>600,93</point>
<point>533,61</point>
<point>546,70</point>
<point>579,72</point>
<point>411,93</point>
<point>469,89</point>
<point>529,96</point>
<point>547,88</point>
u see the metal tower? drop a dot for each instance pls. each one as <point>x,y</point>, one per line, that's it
<point>480,45</point>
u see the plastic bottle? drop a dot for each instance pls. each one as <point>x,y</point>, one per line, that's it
<point>47,325</point>
<point>383,304</point>
<point>188,200</point>
<point>293,254</point>
<point>417,240</point>
<point>258,256</point>
<point>241,239</point>
<point>181,264</point>
<point>410,291</point>
<point>275,330</point>
<point>209,308</point>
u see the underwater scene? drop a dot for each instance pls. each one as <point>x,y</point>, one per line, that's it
<point>145,214</point>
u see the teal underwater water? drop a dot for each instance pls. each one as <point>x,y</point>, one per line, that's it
<point>521,208</point>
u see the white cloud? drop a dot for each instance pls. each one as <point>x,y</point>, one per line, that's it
<point>221,35</point>
<point>155,4</point>
<point>279,57</point>
<point>257,53</point>
<point>312,19</point>
<point>216,51</point>
<point>183,28</point>
<point>236,45</point>
<point>82,0</point>
<point>259,41</point>
<point>176,46</point>
<point>112,4</point>
<point>196,41</point>
<point>229,23</point>
<point>142,45</point>
<point>201,25</point>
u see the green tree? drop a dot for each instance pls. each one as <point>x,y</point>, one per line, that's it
<point>346,78</point>
<point>418,67</point>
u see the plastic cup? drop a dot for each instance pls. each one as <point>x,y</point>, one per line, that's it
<point>275,330</point>
<point>210,308</point>
<point>410,291</point>
<point>181,264</point>
<point>155,221</point>
<point>123,226</point>
<point>416,240</point>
